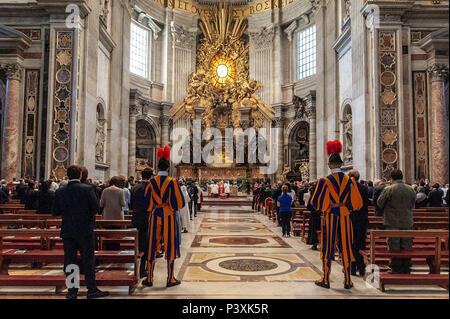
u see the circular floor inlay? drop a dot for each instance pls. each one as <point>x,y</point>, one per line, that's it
<point>248,265</point>
<point>235,228</point>
<point>238,240</point>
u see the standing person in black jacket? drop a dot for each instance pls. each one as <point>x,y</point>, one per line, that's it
<point>301,193</point>
<point>4,188</point>
<point>370,192</point>
<point>45,198</point>
<point>255,194</point>
<point>4,198</point>
<point>193,192</point>
<point>30,197</point>
<point>447,198</point>
<point>276,192</point>
<point>435,196</point>
<point>314,222</point>
<point>77,204</point>
<point>139,219</point>
<point>84,180</point>
<point>360,221</point>
<point>21,189</point>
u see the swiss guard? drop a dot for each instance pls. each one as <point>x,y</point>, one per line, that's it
<point>336,195</point>
<point>165,198</point>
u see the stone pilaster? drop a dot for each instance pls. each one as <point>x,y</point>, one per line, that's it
<point>132,141</point>
<point>10,162</point>
<point>439,124</point>
<point>278,122</point>
<point>311,113</point>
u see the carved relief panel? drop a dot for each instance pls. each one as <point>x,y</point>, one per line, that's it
<point>388,101</point>
<point>62,103</point>
<point>31,101</point>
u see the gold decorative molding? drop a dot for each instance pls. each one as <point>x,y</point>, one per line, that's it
<point>222,89</point>
<point>242,11</point>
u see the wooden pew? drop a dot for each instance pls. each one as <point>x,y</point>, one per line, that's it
<point>105,278</point>
<point>127,242</point>
<point>433,257</point>
<point>44,216</point>
<point>56,242</point>
<point>14,242</point>
<point>417,225</point>
<point>11,208</point>
<point>297,220</point>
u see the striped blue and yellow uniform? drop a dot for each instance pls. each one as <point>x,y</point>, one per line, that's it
<point>164,198</point>
<point>336,195</point>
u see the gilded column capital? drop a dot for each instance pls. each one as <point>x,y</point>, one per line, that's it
<point>13,71</point>
<point>438,72</point>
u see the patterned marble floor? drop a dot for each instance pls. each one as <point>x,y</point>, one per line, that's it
<point>236,253</point>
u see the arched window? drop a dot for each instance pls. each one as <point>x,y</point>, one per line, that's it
<point>100,135</point>
<point>347,135</point>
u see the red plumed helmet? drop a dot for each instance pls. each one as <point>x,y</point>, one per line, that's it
<point>163,153</point>
<point>334,147</point>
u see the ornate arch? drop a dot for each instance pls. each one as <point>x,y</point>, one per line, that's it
<point>100,101</point>
<point>291,126</point>
<point>147,142</point>
<point>152,123</point>
<point>346,104</point>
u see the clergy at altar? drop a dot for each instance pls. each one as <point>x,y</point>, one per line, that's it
<point>214,190</point>
<point>227,189</point>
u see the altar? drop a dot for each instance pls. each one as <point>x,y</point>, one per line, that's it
<point>221,95</point>
<point>233,191</point>
<point>218,174</point>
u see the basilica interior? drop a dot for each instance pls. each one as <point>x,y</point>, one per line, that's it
<point>104,83</point>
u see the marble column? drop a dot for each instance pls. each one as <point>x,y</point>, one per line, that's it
<point>11,161</point>
<point>439,124</point>
<point>132,141</point>
<point>311,113</point>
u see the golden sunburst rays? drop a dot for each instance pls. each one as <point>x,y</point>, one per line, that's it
<point>222,25</point>
<point>224,70</point>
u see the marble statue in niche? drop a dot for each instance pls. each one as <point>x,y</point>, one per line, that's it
<point>348,136</point>
<point>100,137</point>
